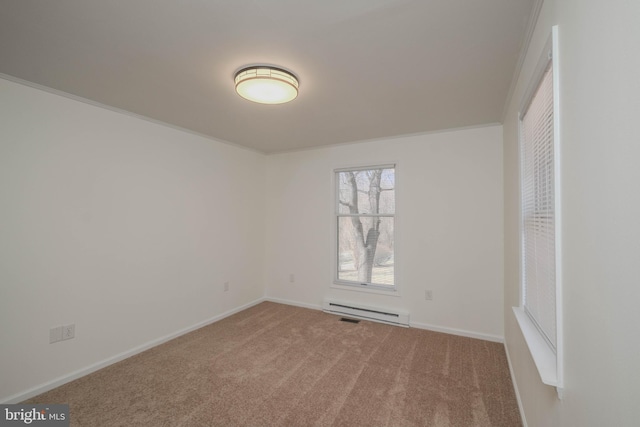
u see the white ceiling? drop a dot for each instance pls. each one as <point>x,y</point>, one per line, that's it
<point>368,68</point>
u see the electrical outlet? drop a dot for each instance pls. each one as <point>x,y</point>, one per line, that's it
<point>68,331</point>
<point>226,286</point>
<point>55,334</point>
<point>428,295</point>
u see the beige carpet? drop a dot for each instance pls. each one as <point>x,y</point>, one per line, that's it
<point>277,365</point>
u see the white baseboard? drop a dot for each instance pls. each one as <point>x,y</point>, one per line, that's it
<point>294,303</point>
<point>515,386</point>
<point>460,332</point>
<point>42,388</point>
<point>452,331</point>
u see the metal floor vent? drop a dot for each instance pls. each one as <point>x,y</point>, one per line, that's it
<point>344,319</point>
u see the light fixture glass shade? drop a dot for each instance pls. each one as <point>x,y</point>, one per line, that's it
<point>266,85</point>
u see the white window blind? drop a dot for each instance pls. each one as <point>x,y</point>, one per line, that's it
<point>538,209</point>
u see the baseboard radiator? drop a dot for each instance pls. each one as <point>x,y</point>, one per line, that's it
<point>359,311</point>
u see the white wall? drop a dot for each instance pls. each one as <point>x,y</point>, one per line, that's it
<point>124,227</point>
<point>449,227</point>
<point>599,89</point>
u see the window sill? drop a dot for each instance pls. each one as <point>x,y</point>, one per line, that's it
<point>543,355</point>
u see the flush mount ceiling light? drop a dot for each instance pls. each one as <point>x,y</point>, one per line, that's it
<point>266,85</point>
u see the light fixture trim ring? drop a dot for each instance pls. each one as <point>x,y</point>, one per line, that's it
<point>269,73</point>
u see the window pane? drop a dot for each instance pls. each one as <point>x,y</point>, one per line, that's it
<point>365,250</point>
<point>366,191</point>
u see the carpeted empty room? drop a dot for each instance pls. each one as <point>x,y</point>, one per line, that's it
<point>279,365</point>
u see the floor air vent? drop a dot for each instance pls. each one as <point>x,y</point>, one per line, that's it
<point>344,319</point>
<point>359,311</point>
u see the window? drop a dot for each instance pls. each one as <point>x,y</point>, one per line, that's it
<point>539,313</point>
<point>538,210</point>
<point>365,220</point>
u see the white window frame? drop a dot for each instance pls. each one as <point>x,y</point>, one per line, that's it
<point>355,286</point>
<point>548,360</point>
